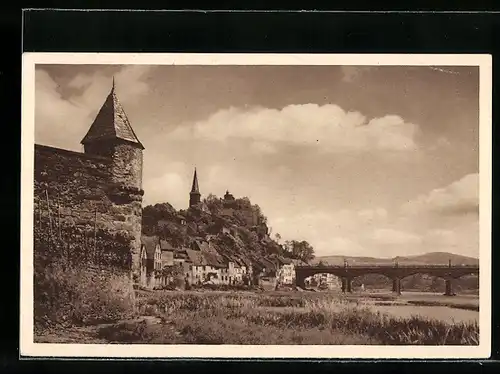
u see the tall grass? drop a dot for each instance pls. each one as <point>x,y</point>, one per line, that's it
<point>78,296</point>
<point>216,318</point>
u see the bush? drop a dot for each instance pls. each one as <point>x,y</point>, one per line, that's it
<point>72,296</point>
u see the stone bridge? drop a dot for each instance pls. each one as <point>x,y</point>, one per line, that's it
<point>395,272</point>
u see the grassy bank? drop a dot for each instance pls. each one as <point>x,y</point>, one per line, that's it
<point>89,309</point>
<point>252,318</point>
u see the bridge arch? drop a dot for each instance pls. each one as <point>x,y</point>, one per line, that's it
<point>373,280</point>
<point>438,281</point>
<point>324,281</point>
<point>395,272</point>
<point>423,280</point>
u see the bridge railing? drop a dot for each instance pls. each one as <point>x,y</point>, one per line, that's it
<point>387,266</point>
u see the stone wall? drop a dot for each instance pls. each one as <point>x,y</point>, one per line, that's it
<point>82,190</point>
<point>127,165</point>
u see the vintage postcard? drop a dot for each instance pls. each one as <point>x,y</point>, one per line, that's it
<point>256,206</point>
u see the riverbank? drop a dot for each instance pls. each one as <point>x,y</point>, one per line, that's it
<point>268,318</point>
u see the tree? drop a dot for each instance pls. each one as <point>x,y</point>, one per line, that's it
<point>213,203</point>
<point>437,284</point>
<point>277,236</point>
<point>244,202</point>
<point>313,282</point>
<point>173,233</point>
<point>261,217</point>
<point>159,211</point>
<point>299,250</point>
<point>174,273</point>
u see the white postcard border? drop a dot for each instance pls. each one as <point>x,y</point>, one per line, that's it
<point>30,349</point>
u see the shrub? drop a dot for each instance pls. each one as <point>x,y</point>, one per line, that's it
<point>72,296</point>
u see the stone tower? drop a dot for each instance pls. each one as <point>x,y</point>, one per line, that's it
<point>194,195</point>
<point>112,137</point>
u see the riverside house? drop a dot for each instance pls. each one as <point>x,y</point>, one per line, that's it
<point>150,261</point>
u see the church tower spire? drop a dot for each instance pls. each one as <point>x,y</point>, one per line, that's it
<point>194,195</point>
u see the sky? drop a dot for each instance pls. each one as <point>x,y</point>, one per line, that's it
<point>377,161</point>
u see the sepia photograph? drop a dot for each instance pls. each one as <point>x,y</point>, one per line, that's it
<point>192,205</point>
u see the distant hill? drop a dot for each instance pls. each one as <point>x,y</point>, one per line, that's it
<point>432,258</point>
<point>440,258</point>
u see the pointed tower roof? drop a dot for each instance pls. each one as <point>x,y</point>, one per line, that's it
<point>195,188</point>
<point>111,122</point>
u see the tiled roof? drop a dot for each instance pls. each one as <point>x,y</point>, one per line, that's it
<point>201,245</point>
<point>212,260</point>
<point>149,242</point>
<point>240,261</point>
<point>195,257</point>
<point>236,263</point>
<point>268,264</point>
<point>284,260</point>
<point>246,261</point>
<point>111,123</point>
<point>166,246</point>
<point>181,253</point>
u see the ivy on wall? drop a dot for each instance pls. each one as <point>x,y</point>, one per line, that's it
<point>80,245</point>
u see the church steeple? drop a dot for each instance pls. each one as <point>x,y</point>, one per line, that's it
<point>194,195</point>
<point>195,188</point>
<point>111,123</point>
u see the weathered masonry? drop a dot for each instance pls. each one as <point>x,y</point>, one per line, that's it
<point>103,185</point>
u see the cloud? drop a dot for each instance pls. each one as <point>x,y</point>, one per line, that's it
<point>172,186</point>
<point>129,84</point>
<point>395,237</point>
<point>56,119</point>
<point>339,244</point>
<point>263,147</point>
<point>301,163</point>
<point>458,198</point>
<point>328,128</point>
<point>460,237</point>
<point>334,232</point>
<point>371,215</point>
<point>62,120</point>
<point>440,237</point>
